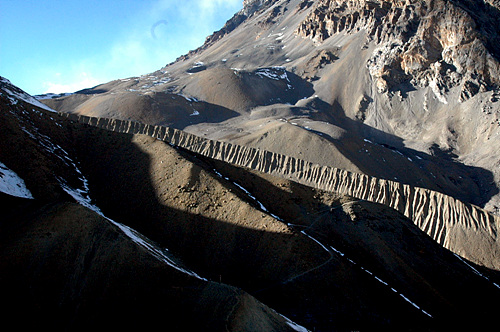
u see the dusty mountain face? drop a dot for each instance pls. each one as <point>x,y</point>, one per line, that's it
<point>399,90</point>
<point>395,102</point>
<point>67,266</point>
<point>125,230</point>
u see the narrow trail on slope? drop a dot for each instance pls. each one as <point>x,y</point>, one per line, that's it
<point>332,252</point>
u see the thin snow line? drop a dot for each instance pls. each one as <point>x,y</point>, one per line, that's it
<point>476,271</point>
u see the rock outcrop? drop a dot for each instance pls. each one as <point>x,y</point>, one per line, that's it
<point>441,44</point>
<point>252,6</point>
<point>463,228</point>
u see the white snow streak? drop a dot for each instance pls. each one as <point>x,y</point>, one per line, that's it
<point>274,73</point>
<point>153,249</point>
<point>12,184</point>
<point>329,249</point>
<point>261,206</point>
<point>21,95</point>
<point>294,325</point>
<point>82,196</point>
<point>332,250</point>
<point>476,271</point>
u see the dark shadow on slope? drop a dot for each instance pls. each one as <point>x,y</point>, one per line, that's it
<point>438,171</point>
<point>203,112</point>
<point>403,88</point>
<point>376,239</point>
<point>301,88</point>
<point>487,18</point>
<point>177,207</point>
<point>120,177</point>
<point>275,85</point>
<point>125,184</point>
<point>91,91</point>
<point>65,267</point>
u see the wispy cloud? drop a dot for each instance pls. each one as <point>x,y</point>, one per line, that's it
<point>77,82</point>
<point>212,5</point>
<point>156,36</point>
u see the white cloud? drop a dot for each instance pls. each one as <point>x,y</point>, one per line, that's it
<point>185,25</point>
<point>212,5</point>
<point>79,82</point>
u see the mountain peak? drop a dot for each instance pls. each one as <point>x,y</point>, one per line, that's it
<point>250,7</point>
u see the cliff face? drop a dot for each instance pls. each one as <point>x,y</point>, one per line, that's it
<point>441,44</point>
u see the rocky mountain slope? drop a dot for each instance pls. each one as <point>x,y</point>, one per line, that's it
<point>66,266</point>
<point>335,161</point>
<point>89,244</point>
<point>417,79</point>
<point>452,223</point>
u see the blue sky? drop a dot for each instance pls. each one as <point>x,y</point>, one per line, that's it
<point>67,45</point>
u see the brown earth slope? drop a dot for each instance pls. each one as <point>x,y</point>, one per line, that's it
<point>327,261</point>
<point>465,229</point>
<point>64,267</point>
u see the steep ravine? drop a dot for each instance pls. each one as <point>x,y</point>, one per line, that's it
<point>465,229</point>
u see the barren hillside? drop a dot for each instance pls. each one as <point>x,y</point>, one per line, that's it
<point>399,90</point>
<point>324,165</point>
<point>115,217</point>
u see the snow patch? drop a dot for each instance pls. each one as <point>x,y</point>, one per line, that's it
<point>12,184</point>
<point>19,94</point>
<point>52,96</point>
<point>189,98</point>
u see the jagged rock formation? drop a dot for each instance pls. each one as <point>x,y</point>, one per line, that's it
<point>452,223</point>
<point>251,6</point>
<point>428,43</point>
